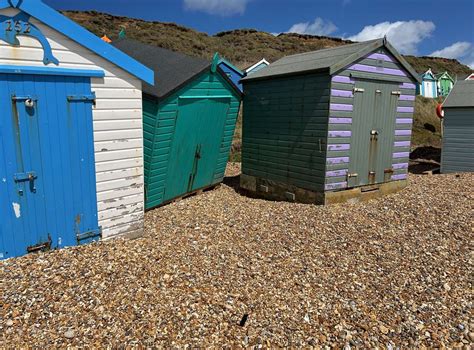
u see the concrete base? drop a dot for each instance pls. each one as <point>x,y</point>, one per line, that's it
<point>277,191</point>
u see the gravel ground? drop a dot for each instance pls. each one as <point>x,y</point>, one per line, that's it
<point>225,270</point>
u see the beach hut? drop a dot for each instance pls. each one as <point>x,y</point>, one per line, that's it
<point>444,83</point>
<point>329,125</point>
<point>257,66</point>
<point>458,129</point>
<point>189,121</point>
<point>71,165</point>
<point>428,87</point>
<point>469,77</point>
<point>233,73</point>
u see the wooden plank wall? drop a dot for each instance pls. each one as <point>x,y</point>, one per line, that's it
<point>458,140</point>
<point>117,120</point>
<point>159,124</point>
<point>285,129</point>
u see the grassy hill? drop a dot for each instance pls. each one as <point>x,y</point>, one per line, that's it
<point>243,47</point>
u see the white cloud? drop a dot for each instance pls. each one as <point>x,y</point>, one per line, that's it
<point>404,35</point>
<point>217,7</point>
<point>318,27</point>
<point>456,50</point>
<point>461,50</point>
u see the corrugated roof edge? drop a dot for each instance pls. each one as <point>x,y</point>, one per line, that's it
<point>82,36</point>
<point>340,65</point>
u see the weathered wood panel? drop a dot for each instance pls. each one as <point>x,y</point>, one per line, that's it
<point>285,129</point>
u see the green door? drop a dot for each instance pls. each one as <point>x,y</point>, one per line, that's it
<point>373,132</point>
<point>196,144</point>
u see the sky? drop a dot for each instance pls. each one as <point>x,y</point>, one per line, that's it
<point>443,28</point>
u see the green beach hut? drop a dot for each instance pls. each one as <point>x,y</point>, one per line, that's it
<point>445,83</point>
<point>189,119</point>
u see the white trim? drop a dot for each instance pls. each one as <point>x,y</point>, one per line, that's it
<point>470,77</point>
<point>263,60</point>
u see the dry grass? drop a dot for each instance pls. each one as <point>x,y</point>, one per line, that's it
<point>426,124</point>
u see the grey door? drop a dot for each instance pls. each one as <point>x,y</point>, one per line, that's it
<point>373,129</point>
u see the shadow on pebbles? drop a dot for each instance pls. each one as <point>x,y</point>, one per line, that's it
<point>221,269</point>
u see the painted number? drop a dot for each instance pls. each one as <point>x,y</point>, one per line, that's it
<point>19,26</point>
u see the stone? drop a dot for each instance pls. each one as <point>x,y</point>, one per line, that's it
<point>383,329</point>
<point>69,334</point>
<point>9,323</point>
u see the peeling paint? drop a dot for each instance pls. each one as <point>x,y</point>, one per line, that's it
<point>17,210</point>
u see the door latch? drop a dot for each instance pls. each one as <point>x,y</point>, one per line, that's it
<point>24,177</point>
<point>198,152</point>
<point>374,132</point>
<point>83,98</point>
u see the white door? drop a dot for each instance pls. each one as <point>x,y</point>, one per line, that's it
<point>429,89</point>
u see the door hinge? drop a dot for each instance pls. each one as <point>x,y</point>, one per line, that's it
<point>40,247</point>
<point>359,90</point>
<point>396,93</point>
<point>90,234</point>
<point>350,175</point>
<point>24,98</point>
<point>83,98</point>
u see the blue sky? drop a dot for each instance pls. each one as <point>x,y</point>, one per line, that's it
<point>436,27</point>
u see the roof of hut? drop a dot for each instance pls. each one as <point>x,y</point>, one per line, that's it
<point>172,69</point>
<point>462,95</point>
<point>333,60</point>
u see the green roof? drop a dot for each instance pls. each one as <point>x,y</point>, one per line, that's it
<point>333,59</point>
<point>462,95</point>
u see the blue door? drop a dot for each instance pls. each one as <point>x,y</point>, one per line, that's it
<point>47,168</point>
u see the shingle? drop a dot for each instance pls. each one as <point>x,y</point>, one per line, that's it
<point>462,95</point>
<point>172,69</point>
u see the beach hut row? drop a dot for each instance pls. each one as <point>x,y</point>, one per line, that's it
<point>435,85</point>
<point>94,133</point>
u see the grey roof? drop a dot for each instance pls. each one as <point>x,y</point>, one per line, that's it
<point>462,95</point>
<point>172,69</point>
<point>333,60</point>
